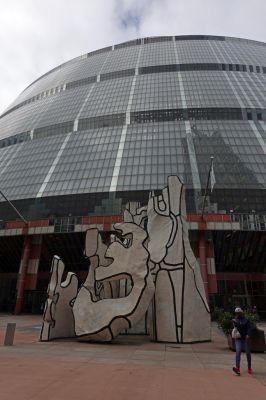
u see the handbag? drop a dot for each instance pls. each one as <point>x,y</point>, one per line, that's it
<point>235,334</point>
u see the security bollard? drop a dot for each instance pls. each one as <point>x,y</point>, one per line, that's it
<point>10,333</point>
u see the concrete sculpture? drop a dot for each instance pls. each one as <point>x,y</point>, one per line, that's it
<point>146,281</point>
<point>58,320</point>
<point>181,311</point>
<point>103,319</point>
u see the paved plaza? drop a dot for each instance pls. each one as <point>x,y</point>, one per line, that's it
<point>130,368</point>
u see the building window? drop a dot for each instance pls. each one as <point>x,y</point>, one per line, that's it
<point>117,74</point>
<point>249,115</point>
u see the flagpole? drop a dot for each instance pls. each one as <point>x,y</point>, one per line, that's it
<point>207,185</point>
<point>14,208</point>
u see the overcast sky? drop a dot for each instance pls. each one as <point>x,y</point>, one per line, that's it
<point>37,35</point>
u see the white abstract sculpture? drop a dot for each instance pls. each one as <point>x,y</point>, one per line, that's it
<point>181,311</point>
<point>58,319</point>
<point>104,319</point>
<point>149,273</point>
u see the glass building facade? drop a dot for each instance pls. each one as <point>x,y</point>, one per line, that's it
<point>111,125</point>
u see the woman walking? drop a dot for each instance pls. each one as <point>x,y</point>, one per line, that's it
<point>241,333</point>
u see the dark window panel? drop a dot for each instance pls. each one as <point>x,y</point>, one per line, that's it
<point>215,114</point>
<point>158,68</point>
<point>52,130</point>
<point>101,121</point>
<point>249,115</point>
<point>117,74</point>
<point>200,67</point>
<point>19,138</point>
<point>141,117</point>
<point>128,44</point>
<point>157,39</point>
<point>199,37</point>
<point>81,82</point>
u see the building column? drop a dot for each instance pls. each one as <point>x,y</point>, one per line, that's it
<point>203,262</point>
<point>212,278</point>
<point>33,264</point>
<point>22,275</point>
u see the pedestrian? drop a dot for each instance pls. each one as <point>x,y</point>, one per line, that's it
<point>241,333</point>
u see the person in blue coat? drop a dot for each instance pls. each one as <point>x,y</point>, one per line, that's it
<point>244,327</point>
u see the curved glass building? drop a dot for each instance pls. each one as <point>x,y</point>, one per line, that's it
<point>109,126</point>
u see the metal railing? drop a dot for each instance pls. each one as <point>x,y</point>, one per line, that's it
<point>250,222</point>
<point>247,222</point>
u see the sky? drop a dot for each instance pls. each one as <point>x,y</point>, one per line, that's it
<point>38,35</point>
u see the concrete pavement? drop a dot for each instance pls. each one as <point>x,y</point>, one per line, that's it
<point>130,368</point>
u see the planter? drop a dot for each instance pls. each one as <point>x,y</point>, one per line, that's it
<point>257,342</point>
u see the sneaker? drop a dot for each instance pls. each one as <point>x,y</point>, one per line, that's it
<point>236,370</point>
<point>250,371</point>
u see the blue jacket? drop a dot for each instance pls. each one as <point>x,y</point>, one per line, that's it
<point>243,326</point>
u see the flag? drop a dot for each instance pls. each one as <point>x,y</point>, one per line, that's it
<point>213,180</point>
